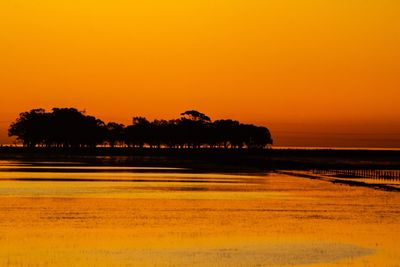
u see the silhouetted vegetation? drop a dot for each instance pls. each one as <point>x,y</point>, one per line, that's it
<point>70,128</point>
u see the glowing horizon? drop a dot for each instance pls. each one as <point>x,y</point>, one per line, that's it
<point>316,73</point>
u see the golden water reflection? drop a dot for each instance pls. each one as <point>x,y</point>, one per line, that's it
<point>182,218</point>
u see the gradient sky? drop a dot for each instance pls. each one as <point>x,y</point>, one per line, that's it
<point>317,73</point>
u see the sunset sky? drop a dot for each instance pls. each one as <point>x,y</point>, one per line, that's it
<point>317,73</point>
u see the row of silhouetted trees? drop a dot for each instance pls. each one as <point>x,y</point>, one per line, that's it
<point>68,127</point>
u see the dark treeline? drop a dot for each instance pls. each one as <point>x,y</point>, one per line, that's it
<point>70,128</point>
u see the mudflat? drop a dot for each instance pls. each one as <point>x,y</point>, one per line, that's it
<point>65,213</point>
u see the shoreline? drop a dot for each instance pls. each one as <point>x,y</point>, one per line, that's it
<point>235,159</point>
<point>349,182</point>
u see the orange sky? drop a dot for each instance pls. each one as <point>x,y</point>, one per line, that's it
<point>317,73</point>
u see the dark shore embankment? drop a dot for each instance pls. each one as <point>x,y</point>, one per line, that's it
<point>228,159</point>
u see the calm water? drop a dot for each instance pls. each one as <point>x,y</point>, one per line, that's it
<point>70,214</point>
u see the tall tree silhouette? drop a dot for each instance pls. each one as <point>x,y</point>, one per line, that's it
<point>31,127</point>
<point>226,133</point>
<point>72,128</point>
<point>115,133</point>
<point>138,134</point>
<point>195,128</point>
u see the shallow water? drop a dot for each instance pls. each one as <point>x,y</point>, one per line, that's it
<point>68,214</point>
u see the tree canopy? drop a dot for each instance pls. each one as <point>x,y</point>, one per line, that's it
<point>68,127</point>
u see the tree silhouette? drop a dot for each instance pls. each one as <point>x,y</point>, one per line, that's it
<point>194,115</point>
<point>30,127</point>
<point>70,128</point>
<point>138,134</point>
<point>115,133</point>
<point>226,133</point>
<point>63,127</point>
